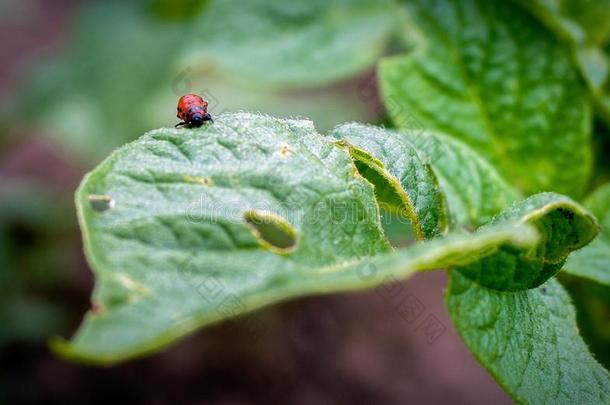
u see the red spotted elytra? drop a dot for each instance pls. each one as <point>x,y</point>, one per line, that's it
<point>193,111</point>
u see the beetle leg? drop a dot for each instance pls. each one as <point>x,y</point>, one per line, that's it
<point>208,117</point>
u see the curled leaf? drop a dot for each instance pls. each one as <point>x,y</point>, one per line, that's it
<point>564,226</point>
<point>403,182</point>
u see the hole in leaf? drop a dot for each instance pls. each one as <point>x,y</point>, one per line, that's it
<point>273,232</point>
<point>101,203</point>
<point>397,228</point>
<point>389,194</point>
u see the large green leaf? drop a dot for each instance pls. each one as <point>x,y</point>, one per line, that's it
<point>564,226</point>
<point>593,261</point>
<point>177,200</point>
<point>402,181</point>
<point>529,341</point>
<point>186,227</point>
<point>489,74</point>
<point>581,22</point>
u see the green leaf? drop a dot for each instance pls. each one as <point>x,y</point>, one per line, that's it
<point>177,199</point>
<point>474,190</point>
<point>187,227</point>
<point>584,26</point>
<point>581,22</point>
<point>529,342</point>
<point>564,226</point>
<point>489,74</point>
<point>291,44</point>
<point>593,262</point>
<point>403,183</point>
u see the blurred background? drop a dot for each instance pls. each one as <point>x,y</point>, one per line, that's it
<point>80,78</point>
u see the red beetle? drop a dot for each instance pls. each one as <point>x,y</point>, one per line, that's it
<point>193,111</point>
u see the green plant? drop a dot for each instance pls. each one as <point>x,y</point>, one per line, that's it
<point>493,111</point>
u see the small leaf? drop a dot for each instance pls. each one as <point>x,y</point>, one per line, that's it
<point>490,75</point>
<point>593,262</point>
<point>402,181</point>
<point>529,341</point>
<point>564,226</point>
